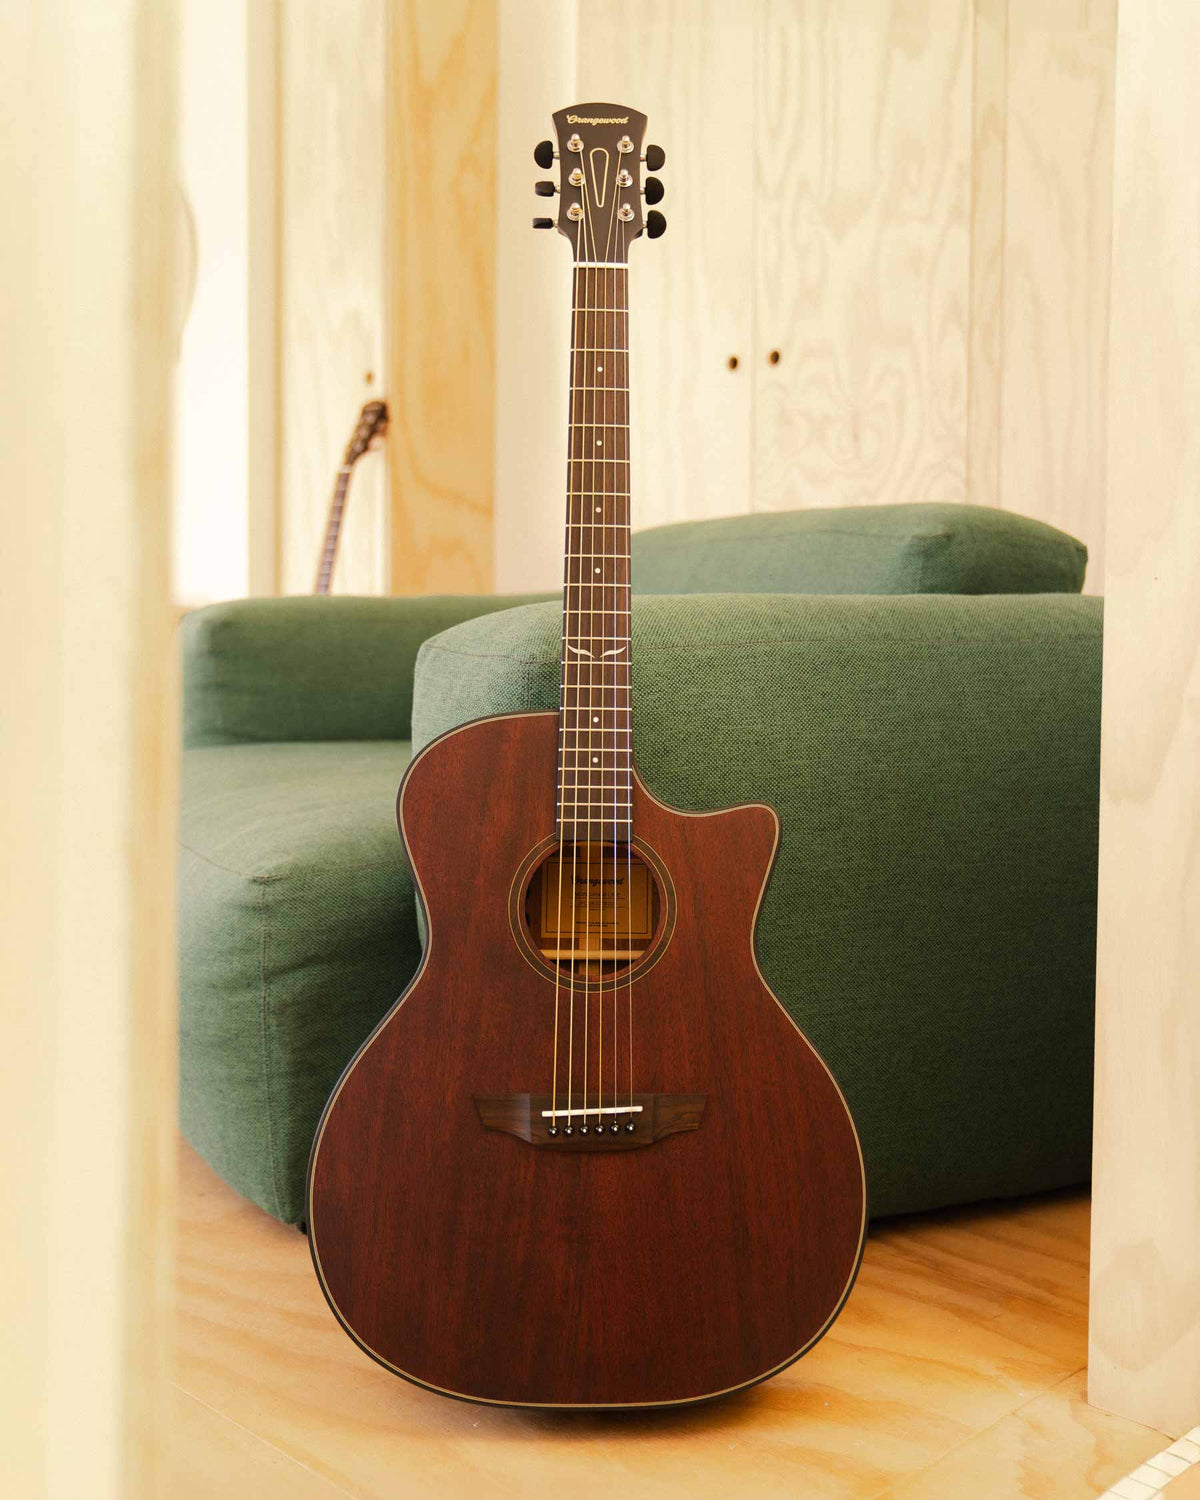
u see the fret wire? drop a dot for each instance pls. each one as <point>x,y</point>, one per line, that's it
<point>595,775</point>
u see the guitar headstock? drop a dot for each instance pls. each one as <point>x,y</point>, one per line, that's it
<point>600,189</point>
<point>372,424</point>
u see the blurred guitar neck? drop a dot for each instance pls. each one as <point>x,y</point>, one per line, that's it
<point>372,424</point>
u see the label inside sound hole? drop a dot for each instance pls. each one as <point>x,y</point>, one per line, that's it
<point>590,905</point>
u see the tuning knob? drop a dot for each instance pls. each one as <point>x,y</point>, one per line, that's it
<point>655,224</point>
<point>548,190</point>
<point>654,157</point>
<point>653,190</point>
<point>543,154</point>
<point>549,224</point>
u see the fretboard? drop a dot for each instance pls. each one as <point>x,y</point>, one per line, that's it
<point>333,528</point>
<point>596,724</point>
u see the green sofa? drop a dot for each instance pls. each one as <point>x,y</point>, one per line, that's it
<point>921,706</point>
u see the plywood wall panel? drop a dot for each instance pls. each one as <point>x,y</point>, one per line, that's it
<point>331,285</point>
<point>441,206</point>
<point>533,300</point>
<point>92,304</point>
<point>691,68</point>
<point>985,312</point>
<point>1144,1358</point>
<point>1057,234</point>
<point>863,251</point>
<point>923,239</point>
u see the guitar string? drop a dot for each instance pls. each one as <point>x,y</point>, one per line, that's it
<point>585,227</point>
<point>610,385</point>
<point>562,757</point>
<point>607,349</point>
<point>565,733</point>
<point>628,740</point>
<point>609,333</point>
<point>616,920</point>
<point>591,279</point>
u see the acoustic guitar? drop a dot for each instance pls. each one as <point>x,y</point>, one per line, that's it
<point>587,1159</point>
<point>371,425</point>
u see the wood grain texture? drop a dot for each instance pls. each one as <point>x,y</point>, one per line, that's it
<point>441,201</point>
<point>533,295</point>
<point>1054,1447</point>
<point>1145,1334</point>
<point>690,67</point>
<point>1057,240</point>
<point>589,1293</point>
<point>92,309</point>
<point>208,1450</point>
<point>958,1320</point>
<point>923,238</point>
<point>1186,1487</point>
<point>332,333</point>
<point>985,342</point>
<point>864,146</point>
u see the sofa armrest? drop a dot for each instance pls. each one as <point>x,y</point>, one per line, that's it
<point>312,668</point>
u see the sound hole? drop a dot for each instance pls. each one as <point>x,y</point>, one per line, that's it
<point>594,911</point>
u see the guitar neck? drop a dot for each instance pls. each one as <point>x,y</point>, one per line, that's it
<point>333,531</point>
<point>596,723</point>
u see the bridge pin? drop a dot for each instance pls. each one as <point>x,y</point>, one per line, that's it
<point>569,1130</point>
<point>629,1126</point>
<point>583,1130</point>
<point>553,1130</point>
<point>613,1128</point>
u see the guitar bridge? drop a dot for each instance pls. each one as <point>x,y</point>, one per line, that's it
<point>577,1125</point>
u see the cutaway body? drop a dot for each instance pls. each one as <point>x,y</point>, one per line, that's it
<point>461,1252</point>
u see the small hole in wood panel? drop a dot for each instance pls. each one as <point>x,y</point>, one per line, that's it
<point>773,357</point>
<point>369,377</point>
<point>733,361</point>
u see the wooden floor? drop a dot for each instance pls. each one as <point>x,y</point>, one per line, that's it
<point>956,1372</point>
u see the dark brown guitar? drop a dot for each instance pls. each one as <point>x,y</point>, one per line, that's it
<point>372,424</point>
<point>587,1160</point>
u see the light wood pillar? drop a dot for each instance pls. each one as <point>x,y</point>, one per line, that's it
<point>87,741</point>
<point>1145,1308</point>
<point>441,208</point>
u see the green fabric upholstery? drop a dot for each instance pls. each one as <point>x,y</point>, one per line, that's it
<point>861,549</point>
<point>312,667</point>
<point>931,918</point>
<point>930,922</point>
<point>297,930</point>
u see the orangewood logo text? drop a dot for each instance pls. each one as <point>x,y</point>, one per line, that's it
<point>597,119</point>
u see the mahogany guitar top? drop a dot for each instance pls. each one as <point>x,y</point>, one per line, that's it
<point>465,1254</point>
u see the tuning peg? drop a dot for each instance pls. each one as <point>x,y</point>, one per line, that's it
<point>548,190</point>
<point>549,224</point>
<point>654,157</point>
<point>543,154</point>
<point>655,224</point>
<point>653,190</point>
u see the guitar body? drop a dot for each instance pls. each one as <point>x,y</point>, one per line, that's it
<point>468,1252</point>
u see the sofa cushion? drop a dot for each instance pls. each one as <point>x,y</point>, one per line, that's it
<point>316,667</point>
<point>297,932</point>
<point>861,549</point>
<point>930,920</point>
